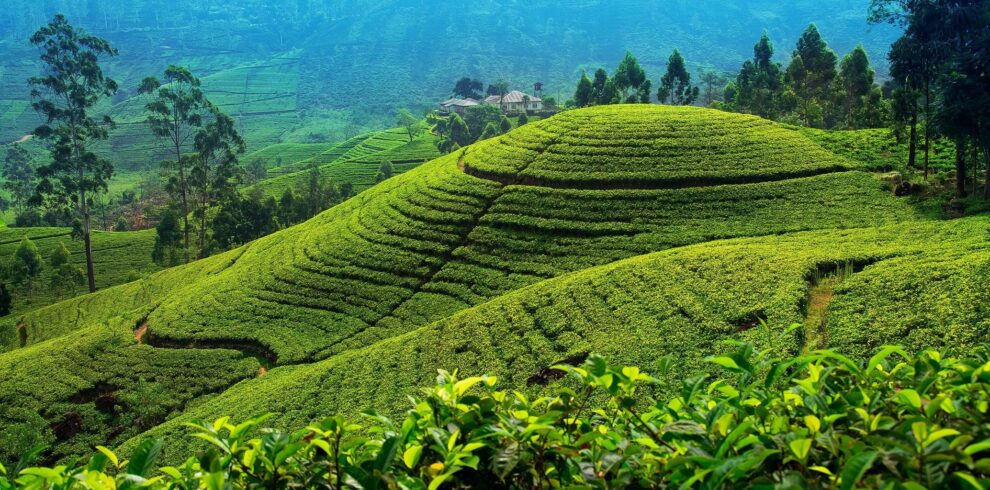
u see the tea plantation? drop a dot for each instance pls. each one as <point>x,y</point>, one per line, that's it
<point>119,258</point>
<point>627,231</point>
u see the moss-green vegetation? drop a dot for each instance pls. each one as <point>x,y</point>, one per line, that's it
<point>511,270</point>
<point>119,257</point>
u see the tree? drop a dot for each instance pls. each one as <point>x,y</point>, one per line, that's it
<point>601,93</point>
<point>499,88</point>
<point>256,170</point>
<point>459,133</point>
<point>409,122</point>
<point>812,76</point>
<point>904,70</point>
<point>468,88</point>
<point>675,85</point>
<point>809,77</point>
<point>629,77</point>
<point>710,80</point>
<point>490,131</point>
<point>19,177</point>
<point>385,171</point>
<point>243,219</point>
<point>856,76</point>
<point>27,264</point>
<point>65,276</point>
<point>759,83</point>
<point>479,117</point>
<point>72,84</point>
<point>523,120</point>
<point>176,114</point>
<point>504,125</point>
<point>168,238</point>
<point>6,300</point>
<point>584,95</point>
<point>214,174</point>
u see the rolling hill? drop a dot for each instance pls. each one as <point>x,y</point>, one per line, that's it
<point>629,231</point>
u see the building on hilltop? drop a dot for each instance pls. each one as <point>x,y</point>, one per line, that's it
<point>451,106</point>
<point>516,101</point>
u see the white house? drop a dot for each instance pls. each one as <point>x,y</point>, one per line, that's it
<point>458,106</point>
<point>516,101</point>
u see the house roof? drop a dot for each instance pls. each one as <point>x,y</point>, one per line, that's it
<point>512,97</point>
<point>459,103</point>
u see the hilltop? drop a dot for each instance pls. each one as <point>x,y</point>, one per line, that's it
<point>628,231</point>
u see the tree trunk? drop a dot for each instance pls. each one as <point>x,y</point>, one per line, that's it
<point>913,141</point>
<point>928,125</point>
<point>185,209</point>
<point>961,167</point>
<point>986,187</point>
<point>90,273</point>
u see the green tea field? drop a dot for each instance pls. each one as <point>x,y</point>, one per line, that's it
<point>627,231</point>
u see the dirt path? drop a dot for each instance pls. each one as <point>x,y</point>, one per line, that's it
<point>24,138</point>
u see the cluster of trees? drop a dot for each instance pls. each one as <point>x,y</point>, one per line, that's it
<point>26,266</point>
<point>479,123</point>
<point>815,89</point>
<point>940,77</point>
<point>202,171</point>
<point>240,218</point>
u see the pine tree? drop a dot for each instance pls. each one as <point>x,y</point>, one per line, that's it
<point>583,96</point>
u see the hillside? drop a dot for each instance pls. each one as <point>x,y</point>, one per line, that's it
<point>333,70</point>
<point>519,252</point>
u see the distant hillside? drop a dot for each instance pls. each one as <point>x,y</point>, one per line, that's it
<point>325,71</point>
<point>521,252</point>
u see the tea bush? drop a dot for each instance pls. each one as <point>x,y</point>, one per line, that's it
<point>816,421</point>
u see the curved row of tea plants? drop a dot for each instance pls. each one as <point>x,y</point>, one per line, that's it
<point>650,146</point>
<point>674,303</point>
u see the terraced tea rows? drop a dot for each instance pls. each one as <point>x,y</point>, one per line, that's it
<point>650,146</point>
<point>441,239</point>
<point>357,161</point>
<point>676,303</point>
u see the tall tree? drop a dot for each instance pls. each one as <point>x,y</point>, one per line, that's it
<point>27,264</point>
<point>759,84</point>
<point>176,114</point>
<point>408,121</point>
<point>628,78</point>
<point>809,78</point>
<point>215,171</point>
<point>710,80</point>
<point>813,75</point>
<point>584,95</point>
<point>675,85</point>
<point>73,83</point>
<point>905,69</point>
<point>19,177</point>
<point>468,88</point>
<point>601,93</point>
<point>65,276</point>
<point>856,76</point>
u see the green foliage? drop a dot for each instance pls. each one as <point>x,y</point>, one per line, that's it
<point>675,86</point>
<point>71,88</point>
<point>583,96</point>
<point>27,264</point>
<point>19,176</point>
<point>820,420</point>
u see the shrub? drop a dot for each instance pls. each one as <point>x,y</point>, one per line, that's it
<point>821,420</point>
